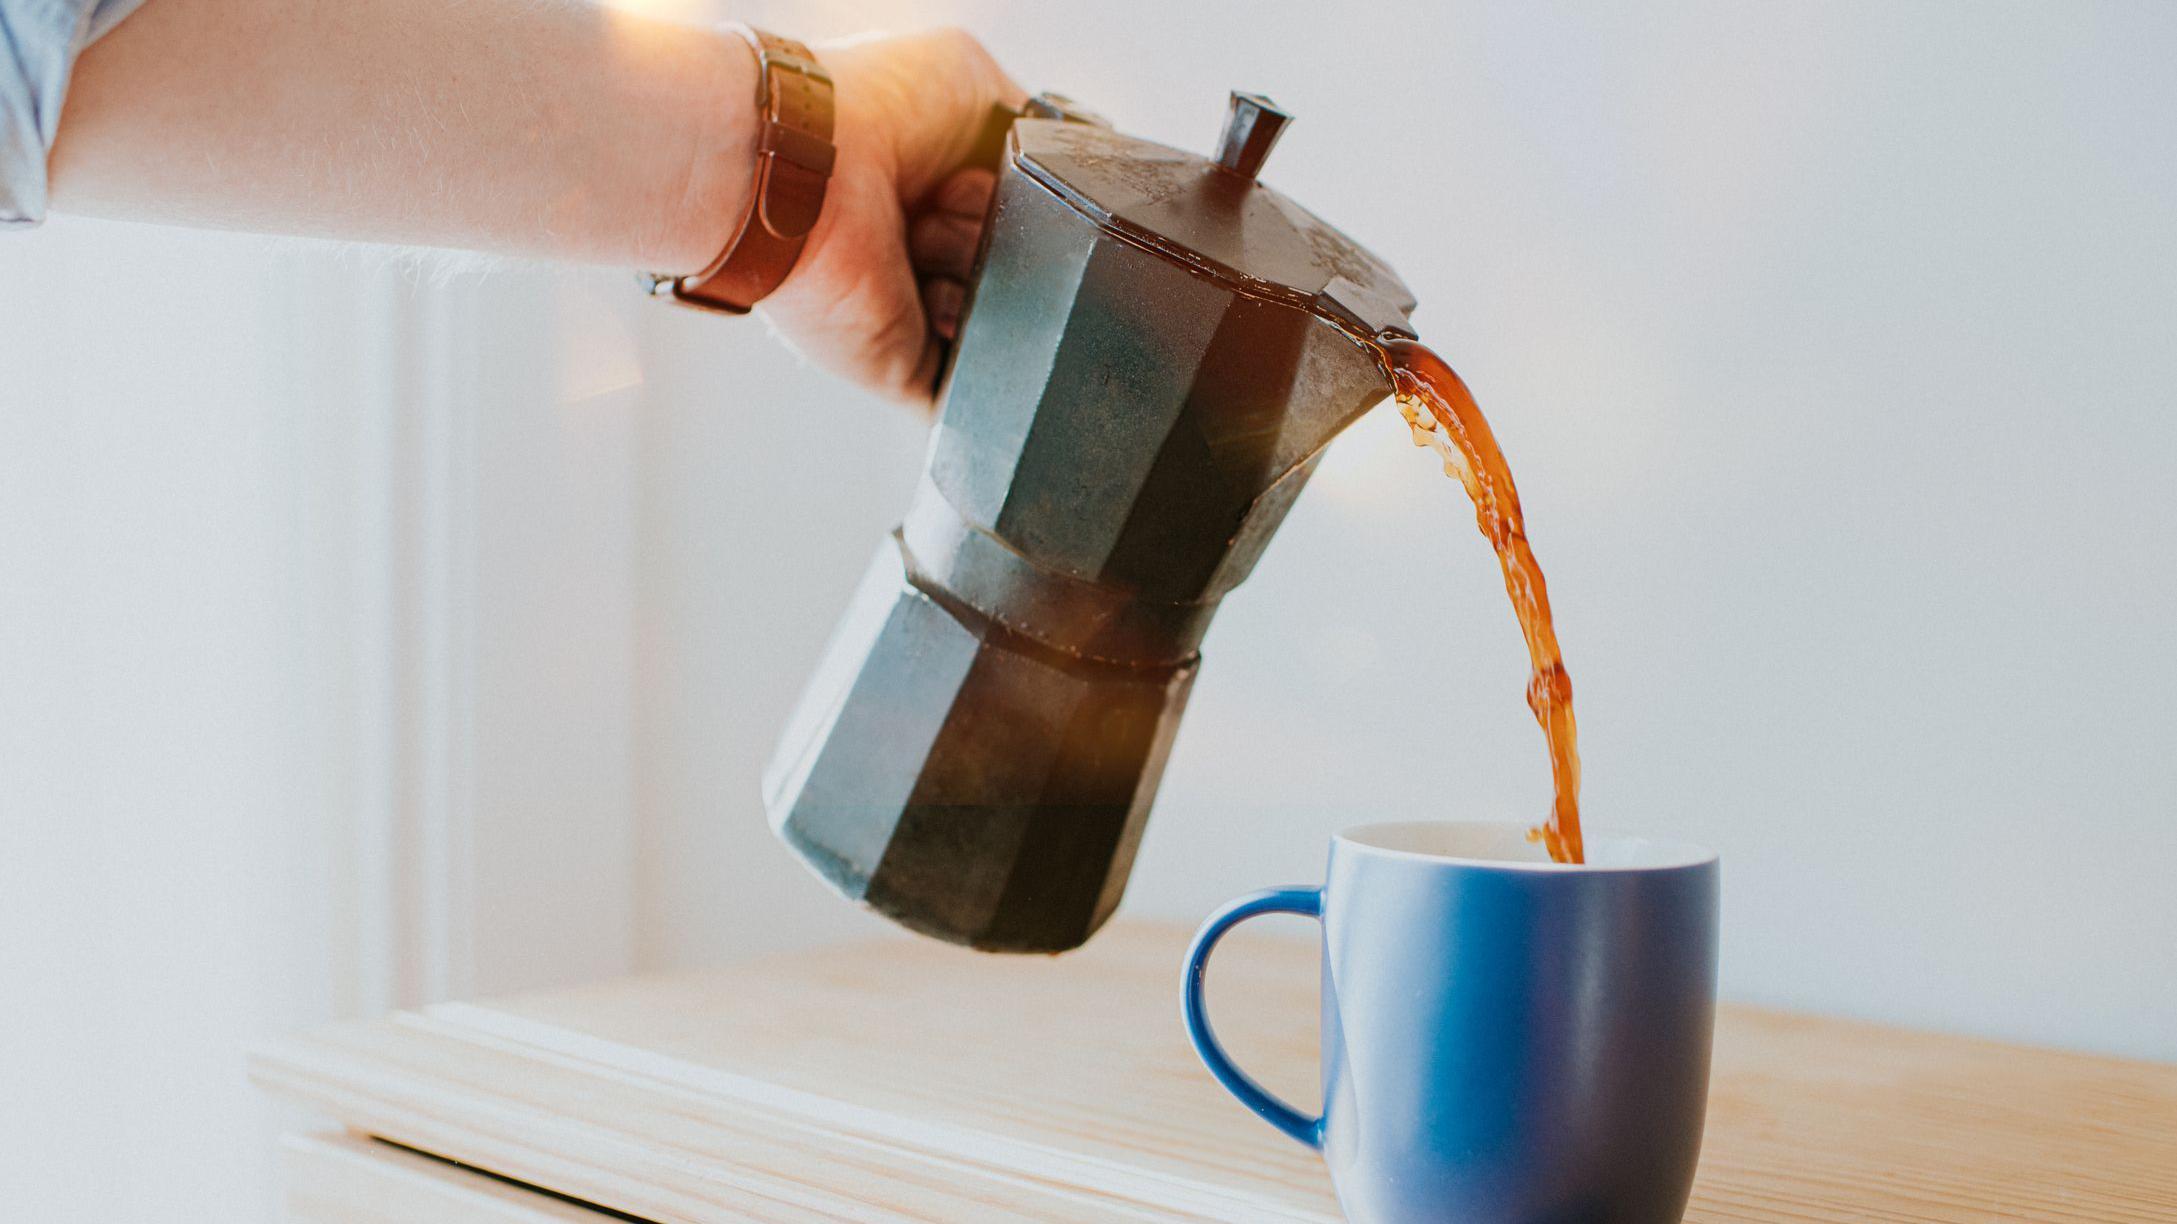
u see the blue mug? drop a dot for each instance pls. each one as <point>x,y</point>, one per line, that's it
<point>1504,1038</point>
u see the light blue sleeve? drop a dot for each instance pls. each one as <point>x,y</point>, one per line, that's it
<point>39,42</point>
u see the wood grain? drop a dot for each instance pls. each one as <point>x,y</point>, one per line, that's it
<point>904,1080</point>
<point>349,1179</point>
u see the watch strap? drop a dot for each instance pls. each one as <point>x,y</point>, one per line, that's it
<point>794,157</point>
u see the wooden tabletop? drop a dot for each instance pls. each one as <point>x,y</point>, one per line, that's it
<point>906,1080</point>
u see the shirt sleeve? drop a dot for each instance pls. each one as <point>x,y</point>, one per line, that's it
<point>39,42</point>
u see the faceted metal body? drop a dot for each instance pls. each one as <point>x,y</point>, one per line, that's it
<point>1126,420</point>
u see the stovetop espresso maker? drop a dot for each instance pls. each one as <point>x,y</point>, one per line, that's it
<point>1156,349</point>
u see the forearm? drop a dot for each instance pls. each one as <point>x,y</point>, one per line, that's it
<point>535,127</point>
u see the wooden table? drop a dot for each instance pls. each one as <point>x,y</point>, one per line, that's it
<point>904,1080</point>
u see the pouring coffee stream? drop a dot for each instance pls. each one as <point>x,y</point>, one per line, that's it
<point>1155,351</point>
<point>1456,429</point>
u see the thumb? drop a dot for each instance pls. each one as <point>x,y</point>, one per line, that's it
<point>859,312</point>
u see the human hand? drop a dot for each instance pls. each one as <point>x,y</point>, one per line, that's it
<point>880,285</point>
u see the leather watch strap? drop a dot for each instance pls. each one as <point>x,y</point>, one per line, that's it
<point>794,156</point>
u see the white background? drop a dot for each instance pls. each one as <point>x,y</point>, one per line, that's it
<point>368,637</point>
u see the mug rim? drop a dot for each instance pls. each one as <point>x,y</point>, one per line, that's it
<point>1662,855</point>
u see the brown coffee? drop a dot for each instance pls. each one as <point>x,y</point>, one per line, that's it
<point>1444,417</point>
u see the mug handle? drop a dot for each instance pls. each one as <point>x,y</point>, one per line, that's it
<point>1307,902</point>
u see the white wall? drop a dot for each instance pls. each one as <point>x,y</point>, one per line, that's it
<point>1832,346</point>
<point>315,697</point>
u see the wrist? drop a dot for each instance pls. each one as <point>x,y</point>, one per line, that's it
<point>711,146</point>
<point>793,160</point>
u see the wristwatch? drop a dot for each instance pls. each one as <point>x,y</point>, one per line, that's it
<point>794,156</point>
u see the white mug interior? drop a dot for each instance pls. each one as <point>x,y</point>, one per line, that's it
<point>1505,844</point>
